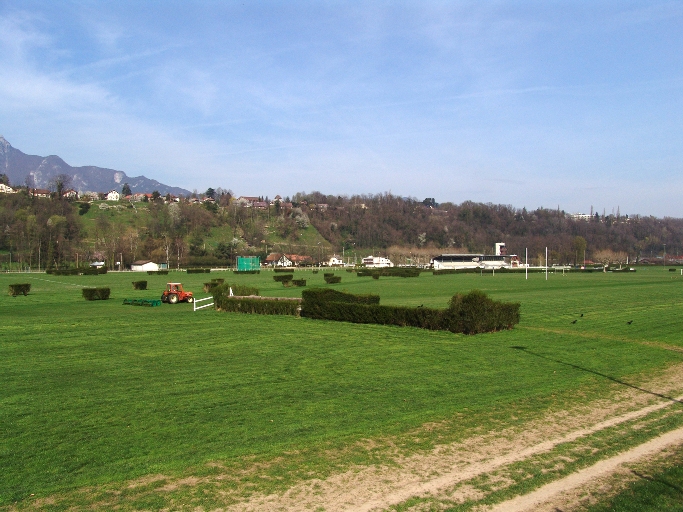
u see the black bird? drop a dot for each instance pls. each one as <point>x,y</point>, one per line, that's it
<point>629,322</point>
<point>574,321</point>
<point>421,306</point>
<point>581,314</point>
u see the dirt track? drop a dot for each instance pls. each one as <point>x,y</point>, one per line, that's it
<point>444,474</point>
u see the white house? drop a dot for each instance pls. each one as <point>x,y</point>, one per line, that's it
<point>70,194</point>
<point>335,261</point>
<point>143,265</point>
<point>113,195</point>
<point>6,189</point>
<point>377,262</point>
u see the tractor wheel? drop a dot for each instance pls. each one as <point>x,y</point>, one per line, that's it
<point>190,299</point>
<point>173,298</point>
<point>163,298</point>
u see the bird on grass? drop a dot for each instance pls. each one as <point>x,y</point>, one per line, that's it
<point>574,321</point>
<point>581,314</point>
<point>629,322</point>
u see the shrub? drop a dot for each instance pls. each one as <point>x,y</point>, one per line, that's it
<point>212,284</point>
<point>349,270</point>
<point>375,276</point>
<point>19,288</point>
<point>96,293</point>
<point>222,291</point>
<point>283,278</point>
<point>475,313</point>
<point>390,272</point>
<point>246,271</point>
<point>328,274</point>
<point>469,314</point>
<point>332,279</point>
<point>316,271</point>
<point>139,285</point>
<point>157,272</point>
<point>299,282</point>
<point>198,270</point>
<point>286,269</point>
<point>258,305</point>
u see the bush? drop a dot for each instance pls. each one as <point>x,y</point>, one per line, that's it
<point>222,291</point>
<point>139,285</point>
<point>283,278</point>
<point>475,313</point>
<point>198,270</point>
<point>157,272</point>
<point>257,305</point>
<point>469,314</point>
<point>299,282</point>
<point>390,272</point>
<point>280,269</point>
<point>316,271</point>
<point>328,274</point>
<point>19,288</point>
<point>332,279</point>
<point>246,271</point>
<point>96,293</point>
<point>212,284</point>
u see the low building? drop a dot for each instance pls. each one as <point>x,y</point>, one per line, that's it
<point>70,194</point>
<point>377,262</point>
<point>143,265</point>
<point>335,261</point>
<point>6,189</point>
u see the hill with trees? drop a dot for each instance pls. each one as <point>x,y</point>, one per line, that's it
<point>214,228</point>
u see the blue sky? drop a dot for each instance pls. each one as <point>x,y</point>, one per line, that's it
<point>549,103</point>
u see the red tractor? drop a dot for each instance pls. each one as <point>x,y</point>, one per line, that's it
<point>174,293</point>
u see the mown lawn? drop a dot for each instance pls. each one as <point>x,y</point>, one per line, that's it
<point>97,392</point>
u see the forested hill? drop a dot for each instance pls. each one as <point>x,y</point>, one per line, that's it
<point>196,232</point>
<point>382,221</point>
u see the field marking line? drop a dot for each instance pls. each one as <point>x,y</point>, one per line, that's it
<point>479,468</point>
<point>58,282</point>
<point>531,501</point>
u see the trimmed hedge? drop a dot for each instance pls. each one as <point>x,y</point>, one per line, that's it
<point>246,271</point>
<point>471,313</point>
<point>139,285</point>
<point>328,274</point>
<point>283,278</point>
<point>299,282</point>
<point>324,295</point>
<point>222,291</point>
<point>254,305</point>
<point>157,272</point>
<point>198,270</point>
<point>96,293</point>
<point>212,284</point>
<point>80,271</point>
<point>279,269</point>
<point>19,288</point>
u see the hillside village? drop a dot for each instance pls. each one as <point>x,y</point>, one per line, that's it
<point>118,228</point>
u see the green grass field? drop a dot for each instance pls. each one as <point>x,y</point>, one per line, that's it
<point>98,393</point>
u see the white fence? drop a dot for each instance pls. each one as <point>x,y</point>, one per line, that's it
<point>197,308</point>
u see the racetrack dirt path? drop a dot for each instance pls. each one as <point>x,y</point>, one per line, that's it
<point>444,473</point>
<point>535,500</point>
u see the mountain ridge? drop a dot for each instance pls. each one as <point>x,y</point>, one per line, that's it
<point>41,171</point>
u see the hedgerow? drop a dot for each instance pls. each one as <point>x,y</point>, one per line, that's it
<point>286,269</point>
<point>222,291</point>
<point>389,272</point>
<point>256,305</point>
<point>471,313</point>
<point>332,279</point>
<point>96,293</point>
<point>19,288</point>
<point>139,285</point>
<point>198,270</point>
<point>157,272</point>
